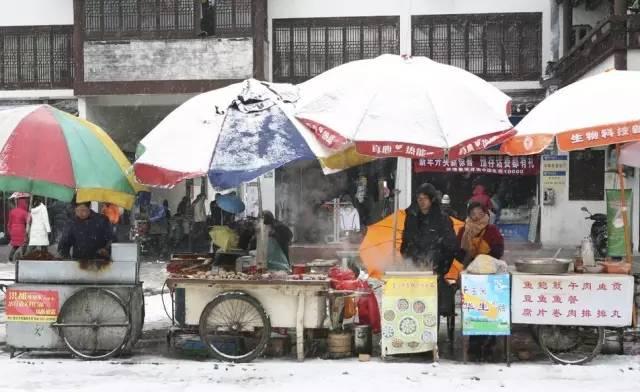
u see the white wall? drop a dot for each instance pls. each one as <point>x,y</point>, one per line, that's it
<point>633,60</point>
<point>278,9</point>
<point>36,12</point>
<point>582,16</point>
<point>607,65</point>
<point>563,223</point>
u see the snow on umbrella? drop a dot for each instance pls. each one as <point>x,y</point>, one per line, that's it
<point>408,107</point>
<point>45,151</point>
<point>233,135</point>
<point>597,111</point>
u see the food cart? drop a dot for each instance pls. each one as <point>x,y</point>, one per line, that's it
<point>93,309</point>
<point>234,316</point>
<point>571,310</point>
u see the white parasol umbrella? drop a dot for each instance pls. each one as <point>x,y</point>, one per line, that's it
<point>404,107</point>
<point>597,111</point>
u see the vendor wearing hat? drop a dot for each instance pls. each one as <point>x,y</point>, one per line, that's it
<point>87,236</point>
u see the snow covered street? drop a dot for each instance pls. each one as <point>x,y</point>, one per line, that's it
<point>151,369</point>
<point>157,374</point>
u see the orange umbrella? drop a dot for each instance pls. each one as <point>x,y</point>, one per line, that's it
<point>376,250</point>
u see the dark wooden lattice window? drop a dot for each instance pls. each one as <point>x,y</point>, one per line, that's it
<point>492,46</point>
<point>36,57</point>
<point>304,48</point>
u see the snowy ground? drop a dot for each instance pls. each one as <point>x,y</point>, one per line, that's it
<point>151,369</point>
<point>156,374</point>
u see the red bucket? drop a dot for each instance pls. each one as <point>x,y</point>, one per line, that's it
<point>299,269</point>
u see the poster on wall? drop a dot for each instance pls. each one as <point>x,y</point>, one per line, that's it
<point>554,172</point>
<point>486,304</point>
<point>615,221</point>
<point>409,314</point>
<point>489,164</point>
<point>590,299</point>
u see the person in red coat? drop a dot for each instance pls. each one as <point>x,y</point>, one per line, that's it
<point>17,226</point>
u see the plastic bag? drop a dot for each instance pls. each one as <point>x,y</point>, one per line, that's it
<point>485,265</point>
<point>368,311</point>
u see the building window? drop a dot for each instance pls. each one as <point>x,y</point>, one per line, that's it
<point>160,19</point>
<point>304,48</point>
<point>227,17</point>
<point>36,57</point>
<point>493,46</point>
<point>586,175</point>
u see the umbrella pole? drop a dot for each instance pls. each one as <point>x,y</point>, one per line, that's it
<point>394,235</point>
<point>259,199</point>
<point>623,206</point>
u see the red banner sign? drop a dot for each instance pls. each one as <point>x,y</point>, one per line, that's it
<point>32,305</point>
<point>488,164</point>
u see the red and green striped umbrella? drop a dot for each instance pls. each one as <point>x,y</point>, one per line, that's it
<point>51,153</point>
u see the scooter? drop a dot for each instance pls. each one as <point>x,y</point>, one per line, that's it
<point>599,235</point>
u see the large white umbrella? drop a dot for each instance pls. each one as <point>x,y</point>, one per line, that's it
<point>597,111</point>
<point>404,107</point>
<point>233,134</point>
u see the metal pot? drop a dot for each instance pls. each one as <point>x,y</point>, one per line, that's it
<point>544,266</point>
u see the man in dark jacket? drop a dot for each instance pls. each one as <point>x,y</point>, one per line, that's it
<point>87,236</point>
<point>430,241</point>
<point>428,238</point>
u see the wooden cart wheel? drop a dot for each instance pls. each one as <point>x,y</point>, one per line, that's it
<point>94,323</point>
<point>570,345</point>
<point>234,327</point>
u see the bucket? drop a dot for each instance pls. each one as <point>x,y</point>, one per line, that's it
<point>299,269</point>
<point>339,344</point>
<point>362,339</point>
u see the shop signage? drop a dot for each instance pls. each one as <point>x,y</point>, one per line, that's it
<point>409,314</point>
<point>598,136</point>
<point>488,164</point>
<point>31,305</point>
<point>554,172</point>
<point>589,299</point>
<point>486,304</point>
<point>615,222</point>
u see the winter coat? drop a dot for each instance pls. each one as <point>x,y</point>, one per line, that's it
<point>17,225</point>
<point>40,227</point>
<point>112,212</point>
<point>429,237</point>
<point>85,237</point>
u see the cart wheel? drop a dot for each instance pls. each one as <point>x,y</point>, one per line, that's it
<point>94,323</point>
<point>570,345</point>
<point>234,327</point>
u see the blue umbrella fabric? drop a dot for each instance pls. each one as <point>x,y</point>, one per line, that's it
<point>257,135</point>
<point>230,203</point>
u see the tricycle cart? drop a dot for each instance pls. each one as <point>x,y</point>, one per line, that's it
<point>93,309</point>
<point>234,318</point>
<point>571,311</point>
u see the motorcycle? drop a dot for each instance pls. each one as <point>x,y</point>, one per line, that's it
<point>598,234</point>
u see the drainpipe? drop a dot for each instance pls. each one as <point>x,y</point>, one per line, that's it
<point>620,56</point>
<point>567,26</point>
